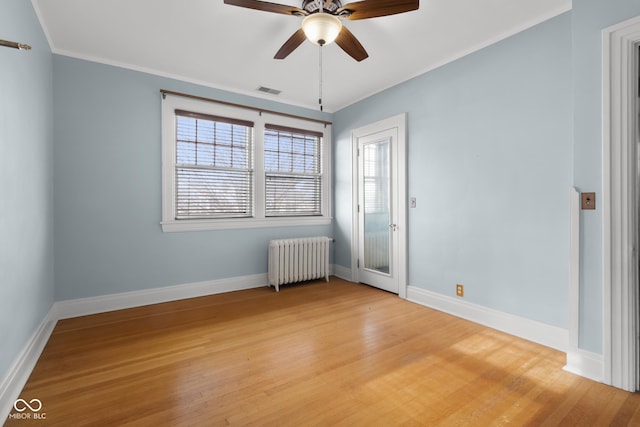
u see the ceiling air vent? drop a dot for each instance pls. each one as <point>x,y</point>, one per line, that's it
<point>269,90</point>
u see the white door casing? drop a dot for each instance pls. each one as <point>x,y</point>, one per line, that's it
<point>620,204</point>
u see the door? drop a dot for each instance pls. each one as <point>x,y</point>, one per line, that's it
<point>377,212</point>
<point>379,206</point>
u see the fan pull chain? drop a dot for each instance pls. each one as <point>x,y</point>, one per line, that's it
<point>320,80</point>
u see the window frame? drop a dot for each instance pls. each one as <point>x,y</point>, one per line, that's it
<point>243,202</point>
<point>169,223</point>
<point>280,173</point>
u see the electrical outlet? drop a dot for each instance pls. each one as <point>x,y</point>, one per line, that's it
<point>459,290</point>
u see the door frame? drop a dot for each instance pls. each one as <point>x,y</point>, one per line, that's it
<point>400,123</point>
<point>620,204</point>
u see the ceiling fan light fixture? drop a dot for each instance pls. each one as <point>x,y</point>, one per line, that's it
<point>321,28</point>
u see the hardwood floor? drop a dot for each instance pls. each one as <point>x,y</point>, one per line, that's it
<point>317,354</point>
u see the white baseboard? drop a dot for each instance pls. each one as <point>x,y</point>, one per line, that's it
<point>343,273</point>
<point>101,304</point>
<point>18,374</point>
<point>550,336</point>
<point>586,364</point>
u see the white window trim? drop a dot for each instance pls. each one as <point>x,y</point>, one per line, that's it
<point>169,224</point>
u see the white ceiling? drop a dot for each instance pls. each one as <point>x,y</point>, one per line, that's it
<point>232,48</point>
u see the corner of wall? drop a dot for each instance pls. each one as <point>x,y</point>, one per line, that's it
<point>18,374</point>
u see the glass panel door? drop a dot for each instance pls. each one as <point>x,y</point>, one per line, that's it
<point>379,208</point>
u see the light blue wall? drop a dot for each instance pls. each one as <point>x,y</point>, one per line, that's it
<point>590,17</point>
<point>26,174</point>
<point>108,189</point>
<point>490,163</point>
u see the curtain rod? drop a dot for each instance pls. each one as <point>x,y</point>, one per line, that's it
<point>15,45</point>
<point>248,107</point>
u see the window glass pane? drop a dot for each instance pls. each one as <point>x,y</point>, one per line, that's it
<point>223,155</point>
<point>204,155</point>
<point>186,129</point>
<point>224,133</point>
<point>186,152</point>
<point>311,164</point>
<point>239,157</point>
<point>205,131</point>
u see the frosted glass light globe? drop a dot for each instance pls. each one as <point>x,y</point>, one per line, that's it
<point>321,28</point>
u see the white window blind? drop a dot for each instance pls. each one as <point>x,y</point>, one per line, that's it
<point>293,171</point>
<point>213,170</point>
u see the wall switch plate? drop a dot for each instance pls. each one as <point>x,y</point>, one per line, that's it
<point>412,202</point>
<point>588,200</point>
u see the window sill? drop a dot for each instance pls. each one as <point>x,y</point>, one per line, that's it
<point>239,223</point>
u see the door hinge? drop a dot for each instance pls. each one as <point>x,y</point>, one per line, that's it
<point>358,208</point>
<point>358,263</point>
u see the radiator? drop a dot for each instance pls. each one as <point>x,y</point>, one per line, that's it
<point>376,249</point>
<point>297,260</point>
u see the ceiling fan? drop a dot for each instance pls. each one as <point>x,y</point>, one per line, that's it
<point>322,23</point>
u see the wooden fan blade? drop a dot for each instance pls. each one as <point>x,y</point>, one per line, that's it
<point>350,44</point>
<point>267,7</point>
<point>374,8</point>
<point>290,45</point>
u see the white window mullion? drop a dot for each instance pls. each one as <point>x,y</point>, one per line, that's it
<point>325,164</point>
<point>259,180</point>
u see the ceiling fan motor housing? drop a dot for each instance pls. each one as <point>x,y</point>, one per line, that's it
<point>313,6</point>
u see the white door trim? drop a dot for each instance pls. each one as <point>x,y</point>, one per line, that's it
<point>619,228</point>
<point>399,122</point>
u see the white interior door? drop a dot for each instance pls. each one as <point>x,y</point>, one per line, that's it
<point>379,205</point>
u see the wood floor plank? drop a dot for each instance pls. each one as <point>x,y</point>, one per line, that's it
<point>336,354</point>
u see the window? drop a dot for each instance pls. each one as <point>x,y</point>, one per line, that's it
<point>230,167</point>
<point>292,162</point>
<point>214,175</point>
